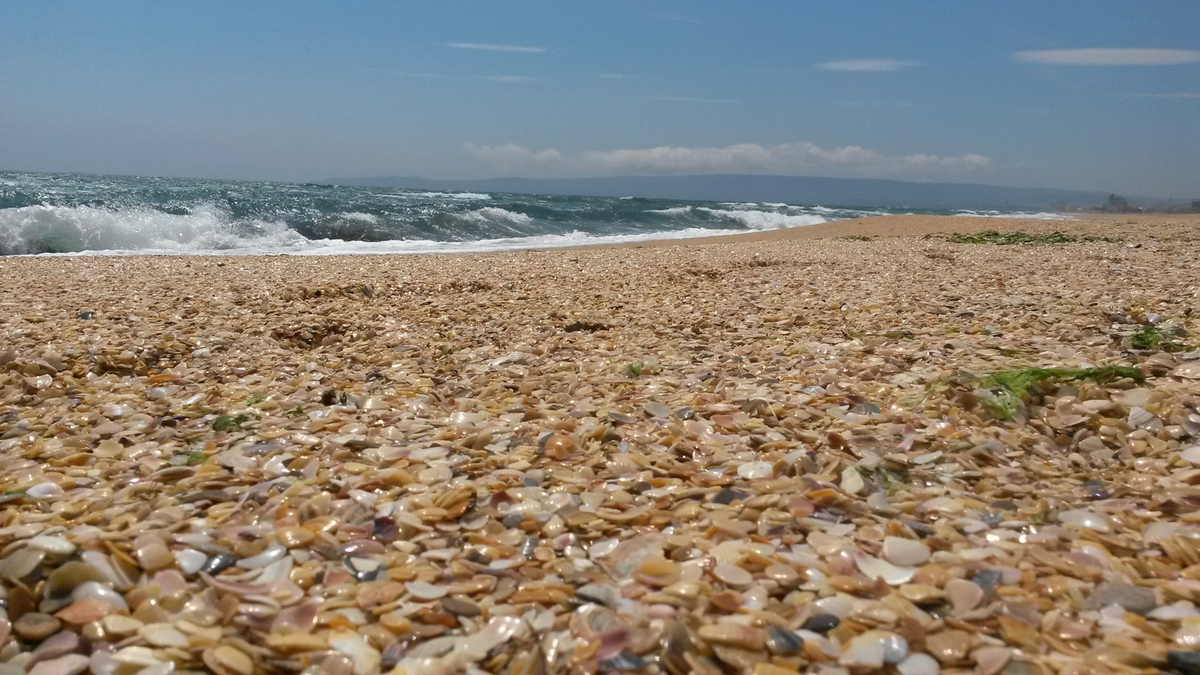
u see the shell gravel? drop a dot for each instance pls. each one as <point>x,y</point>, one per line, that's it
<point>745,456</point>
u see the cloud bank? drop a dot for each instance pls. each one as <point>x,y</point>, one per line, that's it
<point>742,157</point>
<point>496,48</point>
<point>1110,57</point>
<point>868,65</point>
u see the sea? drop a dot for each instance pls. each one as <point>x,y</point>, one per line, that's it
<point>76,214</point>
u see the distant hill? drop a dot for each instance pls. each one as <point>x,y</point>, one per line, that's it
<point>753,188</point>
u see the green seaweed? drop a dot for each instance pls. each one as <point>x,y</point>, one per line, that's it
<point>229,423</point>
<point>1150,336</point>
<point>635,368</point>
<point>256,399</point>
<point>1009,238</point>
<point>194,458</point>
<point>1008,388</point>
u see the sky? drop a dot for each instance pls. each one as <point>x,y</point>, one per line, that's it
<point>1102,95</point>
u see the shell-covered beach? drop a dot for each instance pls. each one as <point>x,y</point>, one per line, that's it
<point>900,443</point>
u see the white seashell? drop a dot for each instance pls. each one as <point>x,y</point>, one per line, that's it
<point>1085,518</point>
<point>94,590</point>
<point>602,548</point>
<point>1191,454</point>
<point>756,470</point>
<point>190,560</point>
<point>274,552</point>
<point>163,635</point>
<point>1176,612</point>
<point>852,481</point>
<point>919,664</point>
<point>991,660</point>
<point>891,574</point>
<point>366,658</point>
<point>864,651</point>
<point>1188,635</point>
<point>901,551</point>
<point>44,490</point>
<point>55,545</point>
<point>839,605</point>
<point>947,505</point>
<point>425,591</point>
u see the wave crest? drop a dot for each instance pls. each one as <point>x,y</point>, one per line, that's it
<point>71,229</point>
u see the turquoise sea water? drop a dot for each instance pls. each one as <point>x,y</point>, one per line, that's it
<point>72,213</point>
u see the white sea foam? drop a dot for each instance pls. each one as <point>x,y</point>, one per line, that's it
<point>361,217</point>
<point>494,214</point>
<point>1040,215</point>
<point>765,220</point>
<point>440,195</point>
<point>32,229</point>
<point>746,216</point>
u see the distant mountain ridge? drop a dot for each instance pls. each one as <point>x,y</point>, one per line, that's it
<point>859,192</point>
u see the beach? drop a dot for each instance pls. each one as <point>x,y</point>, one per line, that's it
<point>792,450</point>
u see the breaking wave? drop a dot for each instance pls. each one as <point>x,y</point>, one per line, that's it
<point>77,214</point>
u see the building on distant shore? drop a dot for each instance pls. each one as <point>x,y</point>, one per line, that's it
<point>1117,204</point>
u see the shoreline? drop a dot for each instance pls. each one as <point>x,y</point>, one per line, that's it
<point>886,226</point>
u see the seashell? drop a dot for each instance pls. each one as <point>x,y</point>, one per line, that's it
<point>755,470</point>
<point>991,660</point>
<point>941,505</point>
<point>44,491</point>
<point>744,637</point>
<point>70,664</point>
<point>919,664</point>
<point>1188,370</point>
<point>1191,454</point>
<point>190,561</point>
<point>964,595</point>
<point>852,481</point>
<point>21,562</point>
<point>904,552</point>
<point>36,626</point>
<point>892,575</point>
<point>425,591</point>
<point>226,660</point>
<point>366,658</point>
<point>66,577</point>
<point>94,590</point>
<point>1086,519</point>
<point>783,642</point>
<point>273,553</point>
<point>863,651</point>
<point>731,575</point>
<point>85,611</point>
<point>163,635</point>
<point>656,409</point>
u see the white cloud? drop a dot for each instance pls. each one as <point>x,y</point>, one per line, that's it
<point>512,79</point>
<point>1174,94</point>
<point>614,76</point>
<point>868,65</point>
<point>496,48</point>
<point>693,99</point>
<point>512,155</point>
<point>742,157</point>
<point>1110,57</point>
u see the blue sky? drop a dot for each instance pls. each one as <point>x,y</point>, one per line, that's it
<point>1102,95</point>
